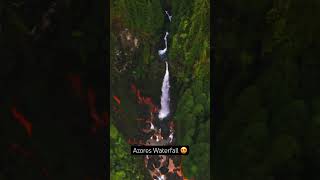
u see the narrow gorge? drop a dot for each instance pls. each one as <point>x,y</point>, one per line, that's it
<point>159,87</point>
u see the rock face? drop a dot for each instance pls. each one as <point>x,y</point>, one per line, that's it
<point>157,132</point>
<point>123,54</point>
<point>160,166</point>
<point>164,167</point>
<point>128,41</point>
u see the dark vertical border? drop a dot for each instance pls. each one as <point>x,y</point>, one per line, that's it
<point>107,60</point>
<point>99,78</point>
<point>103,76</point>
<point>34,85</point>
<point>212,89</point>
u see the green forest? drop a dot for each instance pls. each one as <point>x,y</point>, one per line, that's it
<point>137,61</point>
<point>266,87</point>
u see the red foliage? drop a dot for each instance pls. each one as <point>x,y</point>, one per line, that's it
<point>144,100</point>
<point>153,109</point>
<point>22,120</point>
<point>117,99</point>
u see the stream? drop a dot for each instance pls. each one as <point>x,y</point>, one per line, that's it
<point>155,125</point>
<point>160,131</point>
<point>165,97</point>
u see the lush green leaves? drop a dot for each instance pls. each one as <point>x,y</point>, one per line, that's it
<point>189,56</point>
<point>266,68</point>
<point>123,165</point>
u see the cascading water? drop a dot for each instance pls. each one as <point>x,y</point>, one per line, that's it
<point>168,16</point>
<point>165,97</point>
<point>161,167</point>
<point>163,51</point>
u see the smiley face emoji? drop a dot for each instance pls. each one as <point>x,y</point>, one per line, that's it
<point>183,150</point>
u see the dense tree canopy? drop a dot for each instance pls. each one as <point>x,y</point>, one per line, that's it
<point>265,82</point>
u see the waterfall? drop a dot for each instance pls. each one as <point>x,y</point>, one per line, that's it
<point>164,111</point>
<point>168,16</point>
<point>165,96</point>
<point>163,51</point>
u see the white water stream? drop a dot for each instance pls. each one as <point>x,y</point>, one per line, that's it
<point>170,17</point>
<point>163,51</point>
<point>165,96</point>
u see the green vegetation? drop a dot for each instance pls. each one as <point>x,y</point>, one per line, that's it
<point>267,90</point>
<point>189,59</point>
<point>190,63</point>
<point>144,17</point>
<point>123,165</point>
<point>144,20</point>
